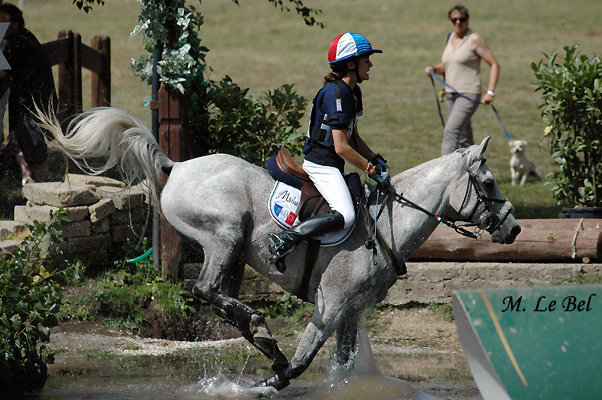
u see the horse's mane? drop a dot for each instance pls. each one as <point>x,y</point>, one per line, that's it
<point>463,160</point>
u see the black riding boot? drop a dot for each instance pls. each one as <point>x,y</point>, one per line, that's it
<point>284,242</point>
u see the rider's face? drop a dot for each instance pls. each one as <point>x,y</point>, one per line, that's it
<point>363,68</point>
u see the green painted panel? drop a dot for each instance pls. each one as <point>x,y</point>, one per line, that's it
<point>539,343</point>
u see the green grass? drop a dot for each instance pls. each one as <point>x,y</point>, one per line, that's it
<point>261,48</point>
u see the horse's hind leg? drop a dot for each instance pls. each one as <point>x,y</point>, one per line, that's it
<point>218,284</point>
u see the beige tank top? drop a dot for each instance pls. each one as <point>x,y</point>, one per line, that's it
<point>462,65</point>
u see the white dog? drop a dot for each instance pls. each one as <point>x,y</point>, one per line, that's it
<point>520,166</point>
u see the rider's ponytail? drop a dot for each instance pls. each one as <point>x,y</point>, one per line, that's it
<point>339,70</point>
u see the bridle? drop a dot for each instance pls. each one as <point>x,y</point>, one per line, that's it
<point>488,221</point>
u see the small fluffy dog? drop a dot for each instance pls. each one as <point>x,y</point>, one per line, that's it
<point>520,166</point>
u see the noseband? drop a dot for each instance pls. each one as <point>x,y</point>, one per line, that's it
<point>488,221</point>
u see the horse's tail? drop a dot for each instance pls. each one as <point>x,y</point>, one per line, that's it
<point>128,141</point>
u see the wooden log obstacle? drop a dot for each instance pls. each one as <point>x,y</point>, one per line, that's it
<point>541,240</point>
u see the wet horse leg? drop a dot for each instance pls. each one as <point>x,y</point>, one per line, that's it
<point>347,339</point>
<point>316,333</point>
<point>219,285</point>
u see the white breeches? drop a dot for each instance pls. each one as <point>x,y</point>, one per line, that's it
<point>332,186</point>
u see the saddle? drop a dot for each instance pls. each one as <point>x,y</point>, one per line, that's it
<point>283,167</point>
<point>312,201</point>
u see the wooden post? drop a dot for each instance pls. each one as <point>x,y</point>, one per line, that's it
<point>65,79</point>
<point>175,142</point>
<point>101,82</point>
<point>70,77</point>
<point>77,73</point>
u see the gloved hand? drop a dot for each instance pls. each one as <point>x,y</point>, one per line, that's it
<point>377,159</point>
<point>381,174</point>
<point>382,170</point>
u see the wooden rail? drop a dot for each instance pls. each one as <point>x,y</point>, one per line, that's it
<point>71,56</point>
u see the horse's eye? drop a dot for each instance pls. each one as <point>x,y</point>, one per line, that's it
<point>489,183</point>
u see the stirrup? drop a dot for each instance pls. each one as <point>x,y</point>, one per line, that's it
<point>278,247</point>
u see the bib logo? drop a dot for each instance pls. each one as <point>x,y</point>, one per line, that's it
<point>286,196</point>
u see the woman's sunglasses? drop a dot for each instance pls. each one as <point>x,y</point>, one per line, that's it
<point>462,20</point>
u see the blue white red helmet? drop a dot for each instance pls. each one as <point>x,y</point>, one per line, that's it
<point>349,45</point>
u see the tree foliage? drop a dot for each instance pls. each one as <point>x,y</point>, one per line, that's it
<point>572,112</point>
<point>222,115</point>
<point>230,121</point>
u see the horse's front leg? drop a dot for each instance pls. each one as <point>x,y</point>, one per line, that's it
<point>347,338</point>
<point>321,327</point>
<point>311,342</point>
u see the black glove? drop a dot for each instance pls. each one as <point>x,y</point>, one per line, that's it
<point>377,159</point>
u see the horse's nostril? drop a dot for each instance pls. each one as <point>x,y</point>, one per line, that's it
<point>515,231</point>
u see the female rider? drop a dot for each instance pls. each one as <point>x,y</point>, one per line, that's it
<point>332,139</point>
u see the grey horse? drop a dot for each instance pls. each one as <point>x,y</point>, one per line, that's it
<point>219,202</point>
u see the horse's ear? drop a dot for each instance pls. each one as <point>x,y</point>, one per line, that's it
<point>476,154</point>
<point>483,147</point>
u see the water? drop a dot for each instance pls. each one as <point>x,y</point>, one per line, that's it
<point>211,374</point>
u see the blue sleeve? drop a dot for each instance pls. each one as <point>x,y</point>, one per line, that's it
<point>346,111</point>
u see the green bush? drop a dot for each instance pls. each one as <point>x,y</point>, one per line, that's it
<point>572,113</point>
<point>30,298</point>
<point>227,120</point>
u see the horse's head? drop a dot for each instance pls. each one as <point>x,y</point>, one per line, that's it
<point>477,198</point>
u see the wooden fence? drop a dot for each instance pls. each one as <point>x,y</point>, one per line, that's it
<point>71,56</point>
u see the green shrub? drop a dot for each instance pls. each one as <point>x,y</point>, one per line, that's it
<point>227,120</point>
<point>572,113</point>
<point>30,298</point>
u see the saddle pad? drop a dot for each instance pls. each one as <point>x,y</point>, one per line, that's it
<point>283,204</point>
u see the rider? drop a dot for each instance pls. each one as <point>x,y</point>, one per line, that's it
<point>332,139</point>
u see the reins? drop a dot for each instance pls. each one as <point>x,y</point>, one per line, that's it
<point>434,75</point>
<point>458,228</point>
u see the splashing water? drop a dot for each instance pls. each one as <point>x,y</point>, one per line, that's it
<point>362,380</point>
<point>221,387</point>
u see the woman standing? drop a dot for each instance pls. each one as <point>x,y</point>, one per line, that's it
<point>332,140</point>
<point>461,66</point>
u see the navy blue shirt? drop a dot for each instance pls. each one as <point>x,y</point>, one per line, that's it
<point>340,116</point>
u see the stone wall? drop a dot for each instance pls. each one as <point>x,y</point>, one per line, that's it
<point>103,215</point>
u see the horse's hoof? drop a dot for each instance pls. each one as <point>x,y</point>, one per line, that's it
<point>278,382</point>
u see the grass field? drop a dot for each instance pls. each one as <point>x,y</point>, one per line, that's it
<point>262,48</point>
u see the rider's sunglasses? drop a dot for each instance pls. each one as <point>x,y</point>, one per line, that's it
<point>462,20</point>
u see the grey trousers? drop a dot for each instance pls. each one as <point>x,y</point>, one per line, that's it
<point>458,130</point>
